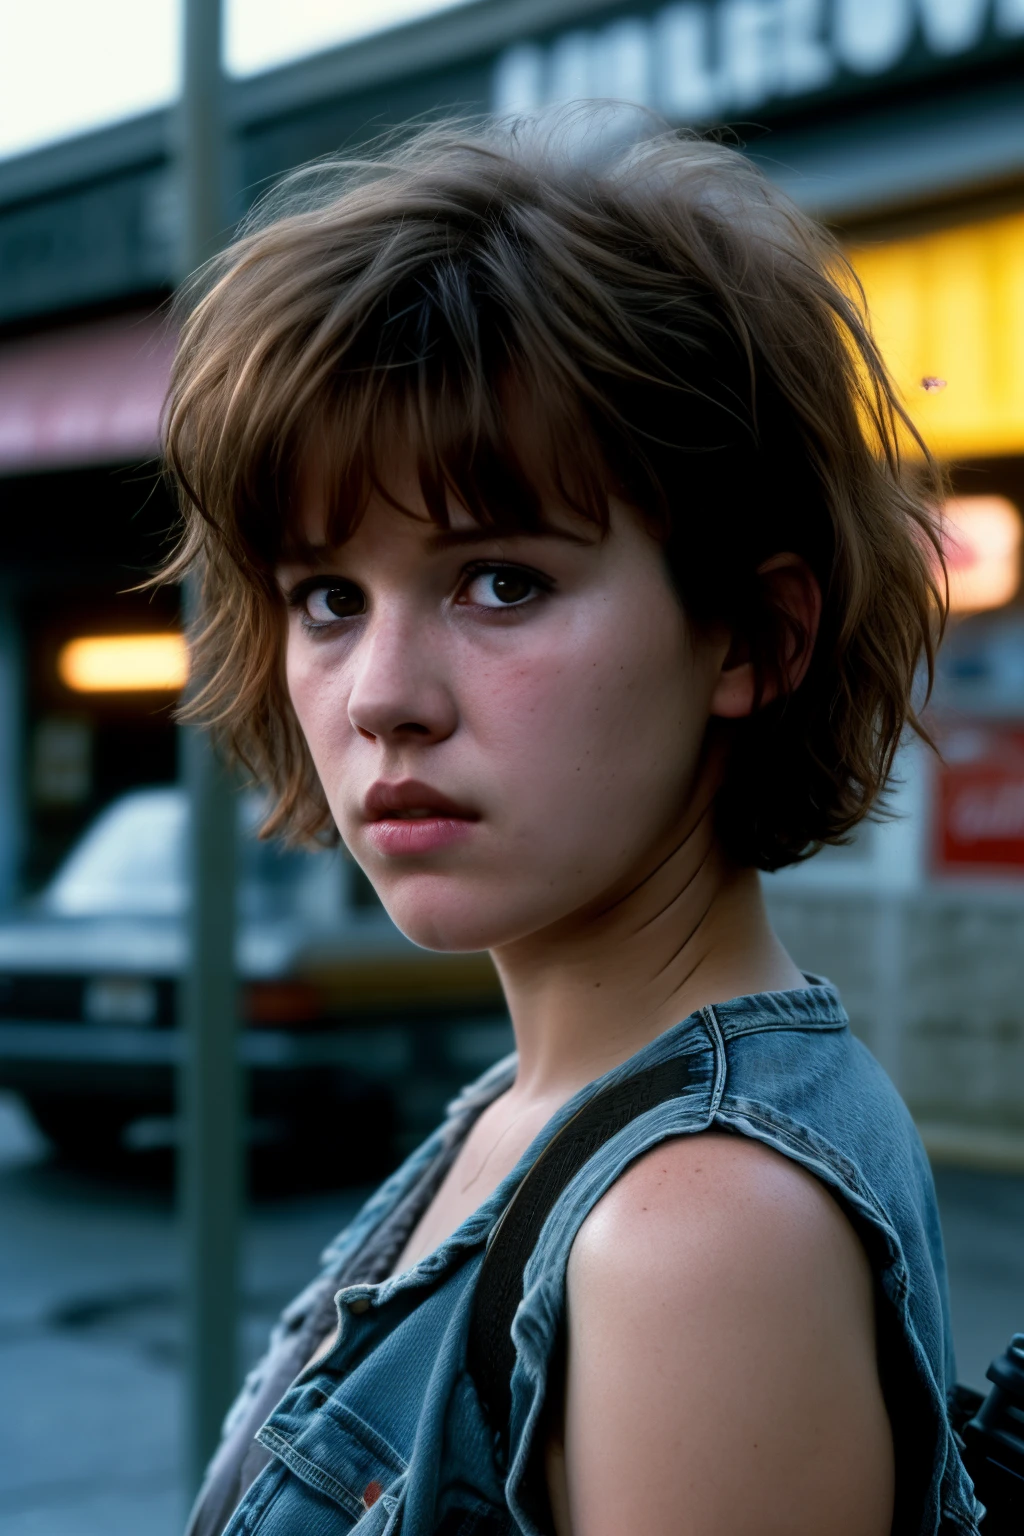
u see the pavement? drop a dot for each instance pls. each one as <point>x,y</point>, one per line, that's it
<point>90,1274</point>
<point>90,1341</point>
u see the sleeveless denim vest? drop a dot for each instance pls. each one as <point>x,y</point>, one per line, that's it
<point>385,1433</point>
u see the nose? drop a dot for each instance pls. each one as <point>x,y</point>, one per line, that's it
<point>400,692</point>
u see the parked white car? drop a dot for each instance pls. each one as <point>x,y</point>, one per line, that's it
<point>345,1024</point>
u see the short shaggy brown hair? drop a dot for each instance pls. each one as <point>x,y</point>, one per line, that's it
<point>682,338</point>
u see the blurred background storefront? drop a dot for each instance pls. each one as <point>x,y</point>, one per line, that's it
<point>900,122</point>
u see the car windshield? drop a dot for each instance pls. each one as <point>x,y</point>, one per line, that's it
<point>131,861</point>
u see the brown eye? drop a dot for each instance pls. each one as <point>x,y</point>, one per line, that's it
<point>344,601</point>
<point>505,586</point>
<point>511,586</point>
<point>340,600</point>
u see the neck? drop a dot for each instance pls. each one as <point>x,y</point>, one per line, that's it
<point>588,993</point>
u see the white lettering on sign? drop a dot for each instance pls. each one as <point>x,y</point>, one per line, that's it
<point>623,62</point>
<point>953,26</point>
<point>747,51</point>
<point>988,813</point>
<point>573,57</point>
<point>697,60</point>
<point>805,62</point>
<point>872,36</point>
<point>683,84</point>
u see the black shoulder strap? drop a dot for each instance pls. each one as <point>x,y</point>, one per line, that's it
<point>499,1287</point>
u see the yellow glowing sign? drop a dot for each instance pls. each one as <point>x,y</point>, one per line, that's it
<point>124,664</point>
<point>982,537</point>
<point>947,309</point>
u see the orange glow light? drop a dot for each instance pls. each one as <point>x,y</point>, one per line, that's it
<point>124,664</point>
<point>982,538</point>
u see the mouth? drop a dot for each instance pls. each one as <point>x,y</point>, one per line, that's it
<point>409,800</point>
<point>408,818</point>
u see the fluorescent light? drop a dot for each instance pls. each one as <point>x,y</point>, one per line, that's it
<point>124,664</point>
<point>982,539</point>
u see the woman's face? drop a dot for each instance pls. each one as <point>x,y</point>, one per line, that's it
<point>508,730</point>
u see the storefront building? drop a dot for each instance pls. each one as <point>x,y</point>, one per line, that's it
<point>899,121</point>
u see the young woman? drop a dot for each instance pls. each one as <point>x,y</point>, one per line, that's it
<point>556,550</point>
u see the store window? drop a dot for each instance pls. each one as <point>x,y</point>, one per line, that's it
<point>947,308</point>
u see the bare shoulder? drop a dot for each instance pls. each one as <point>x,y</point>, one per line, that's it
<point>717,1198</point>
<point>722,1354</point>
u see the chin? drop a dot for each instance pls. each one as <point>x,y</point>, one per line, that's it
<point>448,930</point>
<point>451,917</point>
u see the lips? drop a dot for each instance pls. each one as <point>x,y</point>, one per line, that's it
<point>410,818</point>
<point>409,800</point>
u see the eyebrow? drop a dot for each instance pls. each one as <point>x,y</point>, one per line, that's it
<point>453,538</point>
<point>441,539</point>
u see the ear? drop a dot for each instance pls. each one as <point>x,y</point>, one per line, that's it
<point>792,591</point>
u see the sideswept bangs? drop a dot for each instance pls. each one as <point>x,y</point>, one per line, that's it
<point>525,329</point>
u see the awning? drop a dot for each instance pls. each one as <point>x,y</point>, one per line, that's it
<point>947,307</point>
<point>91,394</point>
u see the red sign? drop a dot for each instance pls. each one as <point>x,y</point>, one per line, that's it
<point>979,820</point>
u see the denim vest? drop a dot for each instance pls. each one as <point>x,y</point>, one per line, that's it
<point>385,1434</point>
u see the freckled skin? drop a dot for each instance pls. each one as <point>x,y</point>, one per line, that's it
<point>739,1281</point>
<point>579,729</point>
<point>508,724</point>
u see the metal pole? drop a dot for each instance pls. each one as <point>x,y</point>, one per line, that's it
<point>210,1156</point>
<point>202,143</point>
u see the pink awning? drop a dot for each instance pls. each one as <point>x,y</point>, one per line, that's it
<point>91,394</point>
